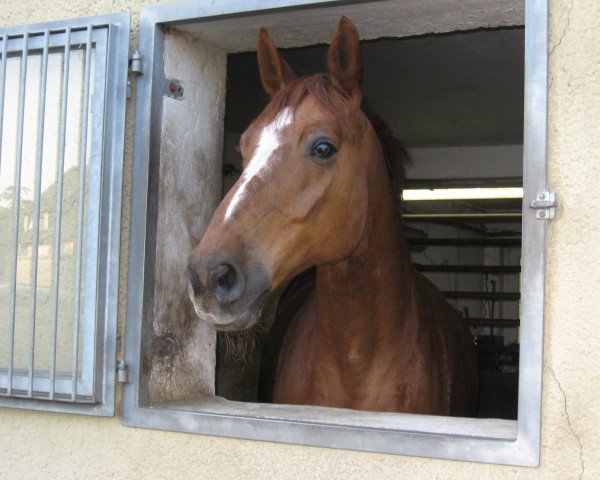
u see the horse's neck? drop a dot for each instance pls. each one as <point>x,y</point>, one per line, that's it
<point>366,298</point>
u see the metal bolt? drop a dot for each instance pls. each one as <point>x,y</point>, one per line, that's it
<point>173,88</point>
<point>542,214</point>
<point>541,196</point>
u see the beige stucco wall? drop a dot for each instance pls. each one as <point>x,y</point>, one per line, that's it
<point>41,445</point>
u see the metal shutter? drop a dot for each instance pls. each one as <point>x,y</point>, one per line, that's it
<point>62,105</point>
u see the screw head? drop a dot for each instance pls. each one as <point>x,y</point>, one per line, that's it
<point>541,196</point>
<point>542,214</point>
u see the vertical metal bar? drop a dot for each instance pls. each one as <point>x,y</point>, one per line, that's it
<point>82,168</point>
<point>16,207</point>
<point>91,337</point>
<point>2,88</point>
<point>59,197</point>
<point>533,254</point>
<point>37,208</point>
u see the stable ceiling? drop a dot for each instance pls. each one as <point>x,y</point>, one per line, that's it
<point>458,88</point>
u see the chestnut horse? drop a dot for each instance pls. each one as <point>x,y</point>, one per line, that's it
<point>320,187</point>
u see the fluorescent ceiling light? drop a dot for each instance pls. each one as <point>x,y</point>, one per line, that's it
<point>462,193</point>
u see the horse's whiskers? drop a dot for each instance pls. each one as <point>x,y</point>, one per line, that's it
<point>241,345</point>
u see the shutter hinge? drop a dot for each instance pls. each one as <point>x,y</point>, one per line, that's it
<point>135,66</point>
<point>122,372</point>
<point>135,63</point>
<point>545,205</point>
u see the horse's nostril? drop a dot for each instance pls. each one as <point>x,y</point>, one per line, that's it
<point>228,284</point>
<point>195,280</point>
<point>225,276</point>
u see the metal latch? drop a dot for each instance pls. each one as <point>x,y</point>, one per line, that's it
<point>545,205</point>
<point>122,372</point>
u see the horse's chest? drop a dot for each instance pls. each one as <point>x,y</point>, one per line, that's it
<point>310,374</point>
<point>317,369</point>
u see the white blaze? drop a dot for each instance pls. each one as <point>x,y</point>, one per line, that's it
<point>268,142</point>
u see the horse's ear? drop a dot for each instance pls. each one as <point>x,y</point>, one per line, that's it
<point>275,73</point>
<point>343,58</point>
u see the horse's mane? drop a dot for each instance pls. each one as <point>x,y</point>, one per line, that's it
<point>332,99</point>
<point>395,155</point>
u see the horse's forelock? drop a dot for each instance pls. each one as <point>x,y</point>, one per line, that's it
<point>318,86</point>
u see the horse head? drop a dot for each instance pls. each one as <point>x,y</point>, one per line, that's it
<point>302,197</point>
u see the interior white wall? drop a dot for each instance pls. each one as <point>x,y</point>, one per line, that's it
<point>183,350</point>
<point>483,161</point>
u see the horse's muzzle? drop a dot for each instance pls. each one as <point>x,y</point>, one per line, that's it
<point>224,293</point>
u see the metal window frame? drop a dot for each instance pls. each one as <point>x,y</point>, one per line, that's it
<point>481,440</point>
<point>95,391</point>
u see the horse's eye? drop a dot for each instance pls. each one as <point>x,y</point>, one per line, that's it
<point>323,150</point>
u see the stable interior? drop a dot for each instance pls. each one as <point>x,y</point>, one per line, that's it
<point>456,102</point>
<point>450,90</point>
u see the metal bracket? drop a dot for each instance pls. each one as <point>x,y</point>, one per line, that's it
<point>122,372</point>
<point>545,205</point>
<point>135,63</point>
<point>173,88</point>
